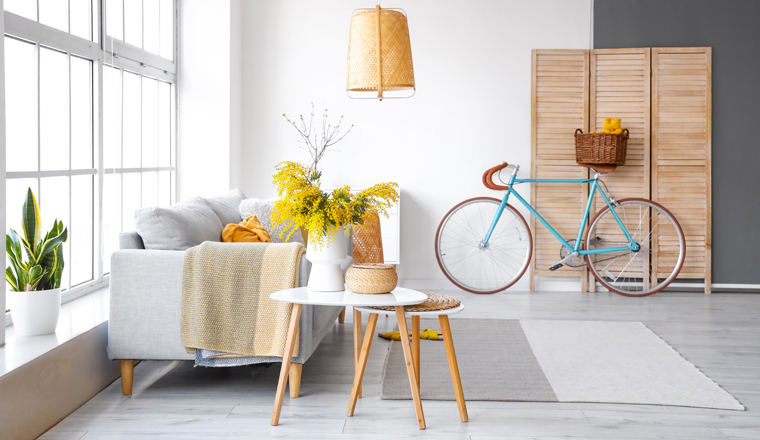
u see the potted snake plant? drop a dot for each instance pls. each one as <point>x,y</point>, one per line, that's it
<point>34,275</point>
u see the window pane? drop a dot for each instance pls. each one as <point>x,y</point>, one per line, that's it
<point>54,110</point>
<point>132,119</point>
<point>15,194</point>
<point>149,189</point>
<point>111,117</point>
<point>167,29</point>
<point>24,8</point>
<point>131,192</point>
<point>133,18</point>
<point>151,34</point>
<point>164,124</point>
<point>111,217</point>
<point>81,18</point>
<point>164,188</point>
<point>149,123</point>
<point>81,230</point>
<point>20,100</point>
<point>114,20</point>
<point>54,204</point>
<point>54,13</point>
<point>81,113</point>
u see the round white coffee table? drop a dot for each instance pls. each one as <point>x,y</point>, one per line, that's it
<point>398,298</point>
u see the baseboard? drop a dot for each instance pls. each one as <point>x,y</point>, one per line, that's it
<point>570,284</point>
<point>41,393</point>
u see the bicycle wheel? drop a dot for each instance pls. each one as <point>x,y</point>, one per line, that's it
<point>478,269</point>
<point>643,272</point>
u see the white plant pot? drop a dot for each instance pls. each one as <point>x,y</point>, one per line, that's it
<point>35,313</point>
<point>326,275</point>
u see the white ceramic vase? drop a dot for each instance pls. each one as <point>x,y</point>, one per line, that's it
<point>326,275</point>
<point>35,313</point>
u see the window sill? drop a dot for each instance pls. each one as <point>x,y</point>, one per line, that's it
<point>77,316</point>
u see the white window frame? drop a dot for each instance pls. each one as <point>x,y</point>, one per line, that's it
<point>104,51</point>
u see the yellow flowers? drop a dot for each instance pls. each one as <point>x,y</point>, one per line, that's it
<point>303,203</point>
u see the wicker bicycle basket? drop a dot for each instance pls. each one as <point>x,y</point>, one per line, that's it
<point>601,148</point>
<point>371,278</point>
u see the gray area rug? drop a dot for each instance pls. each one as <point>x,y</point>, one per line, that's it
<point>556,361</point>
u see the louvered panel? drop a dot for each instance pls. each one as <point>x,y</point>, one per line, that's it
<point>559,106</point>
<point>620,88</point>
<point>560,89</point>
<point>562,205</point>
<point>681,153</point>
<point>683,191</point>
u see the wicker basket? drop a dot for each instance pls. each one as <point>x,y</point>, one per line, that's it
<point>371,278</point>
<point>601,148</point>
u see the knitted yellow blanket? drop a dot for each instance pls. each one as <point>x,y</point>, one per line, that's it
<point>225,297</point>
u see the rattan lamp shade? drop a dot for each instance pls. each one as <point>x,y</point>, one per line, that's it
<point>379,52</point>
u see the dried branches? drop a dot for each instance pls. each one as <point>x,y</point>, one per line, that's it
<point>318,143</point>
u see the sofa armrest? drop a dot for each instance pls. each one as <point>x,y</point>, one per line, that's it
<point>130,240</point>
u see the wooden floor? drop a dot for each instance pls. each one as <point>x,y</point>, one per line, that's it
<point>719,333</point>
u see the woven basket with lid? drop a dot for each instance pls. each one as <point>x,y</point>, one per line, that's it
<point>371,278</point>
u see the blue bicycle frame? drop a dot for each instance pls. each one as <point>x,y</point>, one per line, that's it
<point>576,247</point>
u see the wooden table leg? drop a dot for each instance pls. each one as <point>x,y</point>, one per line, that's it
<point>453,366</point>
<point>362,364</point>
<point>357,343</point>
<point>287,357</point>
<point>416,346</point>
<point>404,332</point>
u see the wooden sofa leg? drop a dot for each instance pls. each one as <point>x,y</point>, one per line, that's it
<point>294,380</point>
<point>342,316</point>
<point>127,373</point>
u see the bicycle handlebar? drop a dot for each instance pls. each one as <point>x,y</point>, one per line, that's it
<point>488,177</point>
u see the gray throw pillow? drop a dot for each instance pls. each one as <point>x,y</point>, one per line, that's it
<point>179,227</point>
<point>226,206</point>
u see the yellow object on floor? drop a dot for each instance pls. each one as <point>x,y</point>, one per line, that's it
<point>431,334</point>
<point>393,336</point>
<point>427,334</point>
<point>611,126</point>
<point>248,231</point>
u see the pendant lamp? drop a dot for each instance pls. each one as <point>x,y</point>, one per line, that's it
<point>379,55</point>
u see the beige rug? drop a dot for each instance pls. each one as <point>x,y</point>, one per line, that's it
<point>556,361</point>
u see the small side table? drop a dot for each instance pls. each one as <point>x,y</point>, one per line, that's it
<point>399,298</point>
<point>443,318</point>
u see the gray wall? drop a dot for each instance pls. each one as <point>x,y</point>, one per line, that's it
<point>731,28</point>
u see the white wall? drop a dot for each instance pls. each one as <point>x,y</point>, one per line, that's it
<point>204,99</point>
<point>244,63</point>
<point>471,110</point>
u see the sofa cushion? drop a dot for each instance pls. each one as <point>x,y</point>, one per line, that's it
<point>226,206</point>
<point>262,209</point>
<point>179,227</point>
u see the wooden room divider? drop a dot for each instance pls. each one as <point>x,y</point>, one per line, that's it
<point>663,96</point>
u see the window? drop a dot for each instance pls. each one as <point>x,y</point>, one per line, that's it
<point>90,120</point>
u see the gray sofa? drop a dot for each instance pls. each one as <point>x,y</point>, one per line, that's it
<point>145,309</point>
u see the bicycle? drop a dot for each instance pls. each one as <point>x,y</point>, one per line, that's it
<point>482,256</point>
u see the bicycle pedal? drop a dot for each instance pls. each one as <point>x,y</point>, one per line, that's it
<point>556,266</point>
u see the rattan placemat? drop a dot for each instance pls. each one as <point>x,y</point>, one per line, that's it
<point>433,303</point>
